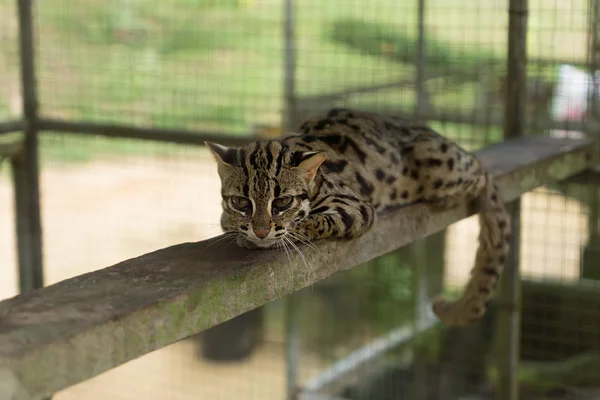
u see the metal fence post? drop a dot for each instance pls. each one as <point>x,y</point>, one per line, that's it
<point>514,126</point>
<point>288,123</point>
<point>26,166</point>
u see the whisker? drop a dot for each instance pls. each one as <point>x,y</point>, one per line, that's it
<point>226,235</point>
<point>288,255</point>
<point>309,244</point>
<point>309,268</point>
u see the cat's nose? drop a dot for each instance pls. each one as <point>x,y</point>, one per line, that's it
<point>261,233</point>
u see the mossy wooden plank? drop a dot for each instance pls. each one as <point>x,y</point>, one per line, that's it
<point>73,330</point>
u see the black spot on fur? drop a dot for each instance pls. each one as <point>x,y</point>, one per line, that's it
<point>405,171</point>
<point>393,195</point>
<point>404,194</point>
<point>379,174</point>
<point>491,272</point>
<point>278,228</point>
<point>414,174</point>
<point>269,156</point>
<point>502,224</point>
<point>444,148</point>
<point>349,142</point>
<point>319,210</point>
<point>246,189</point>
<point>451,164</point>
<point>347,197</point>
<point>276,190</point>
<point>390,179</point>
<point>243,228</point>
<point>334,166</point>
<point>346,218</point>
<point>406,150</point>
<point>438,184</point>
<point>332,140</point>
<point>434,162</point>
<point>365,214</point>
<point>366,188</point>
<point>502,259</point>
<point>418,163</point>
<point>420,189</point>
<point>494,197</point>
<point>310,138</point>
<point>459,181</point>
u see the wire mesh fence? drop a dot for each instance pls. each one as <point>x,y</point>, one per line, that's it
<point>223,67</point>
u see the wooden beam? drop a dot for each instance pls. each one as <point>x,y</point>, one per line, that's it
<point>68,332</point>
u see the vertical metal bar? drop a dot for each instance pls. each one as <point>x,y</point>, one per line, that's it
<point>421,299</point>
<point>514,126</point>
<point>292,337</point>
<point>26,167</point>
<point>289,124</point>
<point>289,73</point>
<point>593,111</point>
<point>420,278</point>
<point>593,54</point>
<point>421,62</point>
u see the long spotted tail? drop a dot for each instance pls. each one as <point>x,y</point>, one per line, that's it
<point>494,238</point>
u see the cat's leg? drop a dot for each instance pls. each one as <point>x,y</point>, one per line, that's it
<point>342,217</point>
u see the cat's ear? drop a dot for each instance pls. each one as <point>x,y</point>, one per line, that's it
<point>311,163</point>
<point>226,158</point>
<point>224,155</point>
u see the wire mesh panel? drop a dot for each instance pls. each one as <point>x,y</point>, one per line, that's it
<point>106,200</point>
<point>220,66</point>
<point>10,94</point>
<point>204,65</point>
<point>10,110</point>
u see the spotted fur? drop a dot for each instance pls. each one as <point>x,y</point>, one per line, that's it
<point>330,179</point>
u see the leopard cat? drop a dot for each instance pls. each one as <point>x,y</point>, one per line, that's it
<point>332,178</point>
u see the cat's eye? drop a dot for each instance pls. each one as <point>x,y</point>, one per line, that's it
<point>240,203</point>
<point>281,203</point>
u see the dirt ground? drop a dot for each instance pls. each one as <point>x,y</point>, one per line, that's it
<point>99,213</point>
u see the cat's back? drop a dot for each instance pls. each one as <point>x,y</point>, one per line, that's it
<point>361,136</point>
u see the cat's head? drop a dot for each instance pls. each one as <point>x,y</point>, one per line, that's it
<point>265,188</point>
